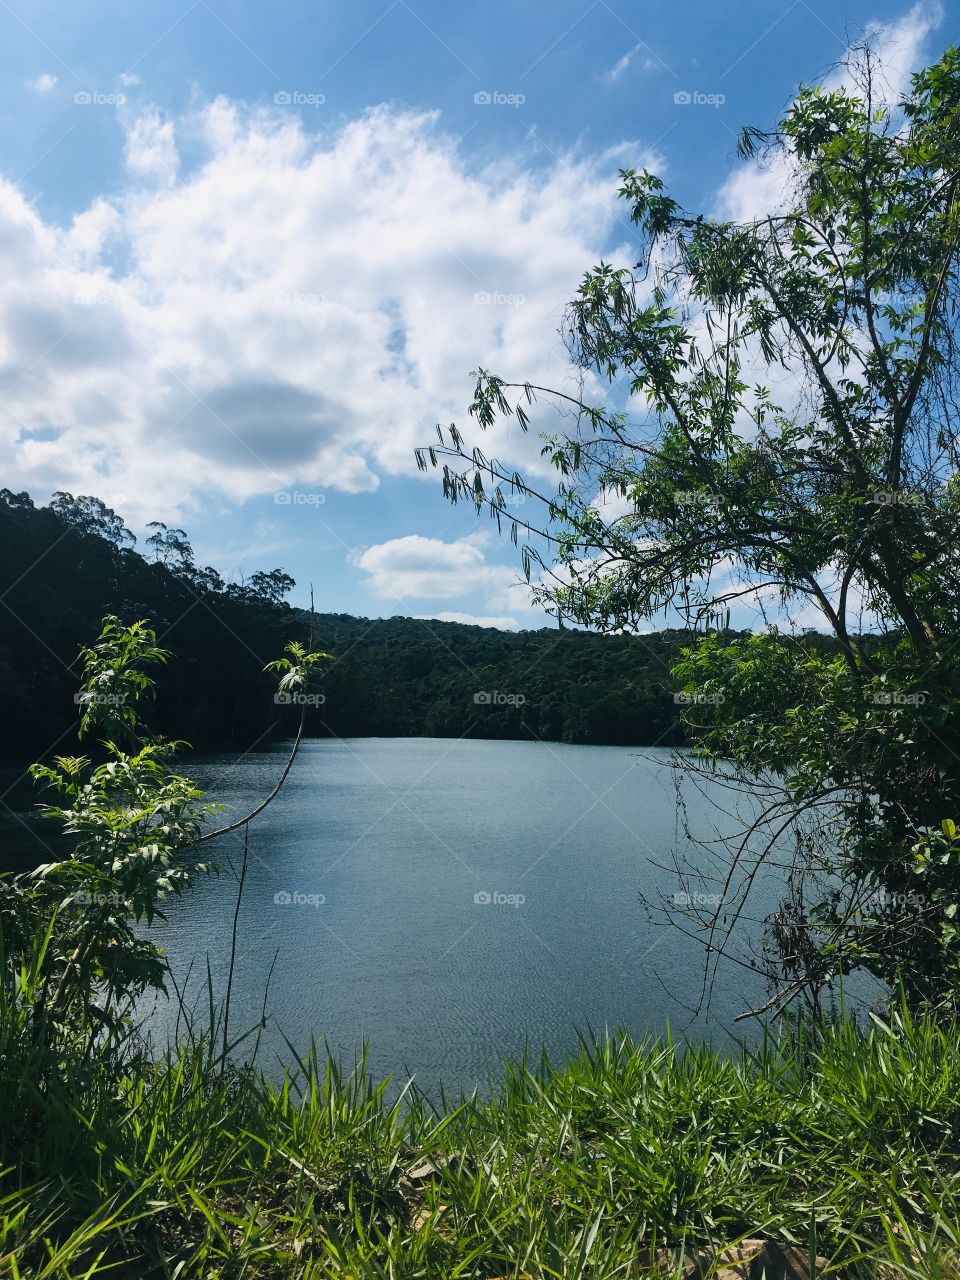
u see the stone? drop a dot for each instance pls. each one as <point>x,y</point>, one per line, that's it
<point>747,1260</point>
<point>426,1169</point>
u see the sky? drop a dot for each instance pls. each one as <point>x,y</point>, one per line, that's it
<point>251,253</point>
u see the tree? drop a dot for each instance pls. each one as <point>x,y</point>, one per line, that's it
<point>170,546</point>
<point>16,501</point>
<point>270,587</point>
<point>91,516</point>
<point>72,946</point>
<point>840,492</point>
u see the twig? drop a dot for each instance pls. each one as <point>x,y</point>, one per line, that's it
<point>233,943</point>
<point>263,1007</point>
<point>233,826</point>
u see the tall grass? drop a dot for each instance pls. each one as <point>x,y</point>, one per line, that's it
<point>609,1165</point>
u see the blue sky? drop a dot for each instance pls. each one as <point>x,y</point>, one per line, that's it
<point>251,252</point>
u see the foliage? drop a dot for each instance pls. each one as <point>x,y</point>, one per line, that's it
<point>618,1163</point>
<point>87,515</point>
<point>837,493</point>
<point>406,676</point>
<point>170,545</point>
<point>396,676</point>
<point>60,575</point>
<point>71,931</point>
<point>130,822</point>
<point>299,670</point>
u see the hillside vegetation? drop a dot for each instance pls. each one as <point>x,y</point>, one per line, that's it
<point>67,564</point>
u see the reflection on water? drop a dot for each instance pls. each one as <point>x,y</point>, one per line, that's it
<point>452,902</point>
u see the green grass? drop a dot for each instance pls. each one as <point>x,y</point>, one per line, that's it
<point>846,1144</point>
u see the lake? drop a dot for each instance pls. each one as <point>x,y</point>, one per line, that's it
<point>451,902</point>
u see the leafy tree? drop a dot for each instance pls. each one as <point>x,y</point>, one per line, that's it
<point>130,821</point>
<point>90,515</point>
<point>170,546</point>
<point>798,444</point>
<point>58,579</point>
<point>271,587</point>
<point>71,939</point>
<point>16,501</point>
<point>397,676</point>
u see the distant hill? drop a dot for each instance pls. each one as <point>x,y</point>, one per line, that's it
<point>403,676</point>
<point>62,567</point>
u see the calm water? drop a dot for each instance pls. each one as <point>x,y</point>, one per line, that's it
<point>364,881</point>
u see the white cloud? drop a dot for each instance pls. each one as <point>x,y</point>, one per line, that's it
<point>127,79</point>
<point>151,151</point>
<point>428,568</point>
<point>42,84</point>
<point>612,505</point>
<point>296,308</point>
<point>901,45</point>
<point>756,189</point>
<point>622,65</point>
<point>501,623</point>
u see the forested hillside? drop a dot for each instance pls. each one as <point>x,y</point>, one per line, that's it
<point>66,565</point>
<point>401,676</point>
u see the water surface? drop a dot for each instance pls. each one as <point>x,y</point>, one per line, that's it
<point>452,902</point>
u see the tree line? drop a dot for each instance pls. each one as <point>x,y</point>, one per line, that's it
<point>67,564</point>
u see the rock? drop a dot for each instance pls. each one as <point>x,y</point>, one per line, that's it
<point>426,1169</point>
<point>743,1261</point>
<point>747,1260</point>
<point>789,1262</point>
<point>424,1214</point>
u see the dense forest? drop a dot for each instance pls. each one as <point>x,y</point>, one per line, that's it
<point>67,564</point>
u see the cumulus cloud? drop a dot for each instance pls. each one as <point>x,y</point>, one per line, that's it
<point>901,45</point>
<point>293,307</point>
<point>151,151</point>
<point>42,84</point>
<point>756,189</point>
<point>430,569</point>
